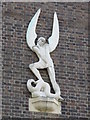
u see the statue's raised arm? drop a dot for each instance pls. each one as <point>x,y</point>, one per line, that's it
<point>54,39</point>
<point>31,33</point>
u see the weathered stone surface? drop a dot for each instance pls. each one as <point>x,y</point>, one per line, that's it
<point>46,105</point>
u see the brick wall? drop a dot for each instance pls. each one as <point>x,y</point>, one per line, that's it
<point>45,0</point>
<point>88,58</point>
<point>0,60</point>
<point>70,58</point>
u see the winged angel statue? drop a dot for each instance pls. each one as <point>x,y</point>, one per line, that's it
<point>43,48</point>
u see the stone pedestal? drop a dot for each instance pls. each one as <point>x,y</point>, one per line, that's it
<point>43,104</point>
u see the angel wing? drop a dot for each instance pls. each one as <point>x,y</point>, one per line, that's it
<point>54,39</point>
<point>31,33</point>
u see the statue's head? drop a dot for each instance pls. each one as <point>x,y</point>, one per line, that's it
<point>41,41</point>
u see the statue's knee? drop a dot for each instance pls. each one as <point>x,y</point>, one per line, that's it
<point>31,66</point>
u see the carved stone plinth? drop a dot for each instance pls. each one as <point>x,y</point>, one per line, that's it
<point>43,104</point>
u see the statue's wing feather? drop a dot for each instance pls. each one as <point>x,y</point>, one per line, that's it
<point>54,39</point>
<point>31,33</point>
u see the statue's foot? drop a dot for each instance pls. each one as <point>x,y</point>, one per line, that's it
<point>60,98</point>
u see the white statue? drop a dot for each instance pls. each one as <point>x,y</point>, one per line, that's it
<point>43,49</point>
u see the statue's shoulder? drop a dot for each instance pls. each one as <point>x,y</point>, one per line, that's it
<point>47,45</point>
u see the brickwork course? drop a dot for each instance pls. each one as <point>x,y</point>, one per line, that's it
<point>0,60</point>
<point>45,0</point>
<point>70,58</point>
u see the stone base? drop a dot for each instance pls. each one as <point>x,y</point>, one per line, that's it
<point>43,104</point>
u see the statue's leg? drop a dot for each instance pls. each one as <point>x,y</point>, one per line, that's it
<point>51,73</point>
<point>34,67</point>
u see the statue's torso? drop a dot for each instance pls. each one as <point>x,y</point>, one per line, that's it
<point>44,55</point>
